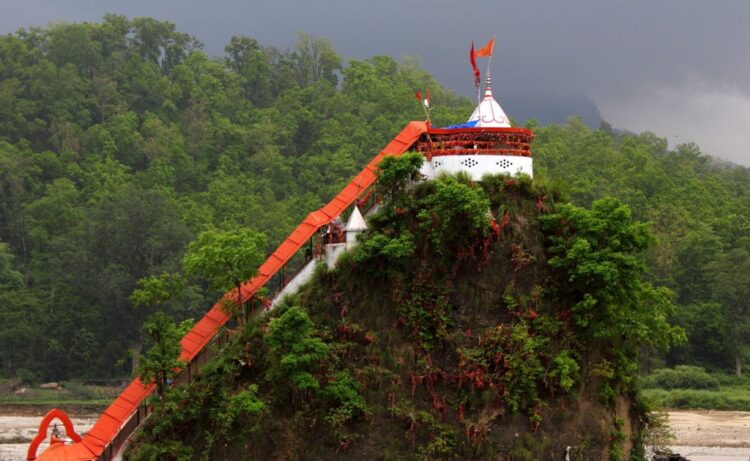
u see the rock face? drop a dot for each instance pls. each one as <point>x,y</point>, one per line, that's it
<point>450,332</point>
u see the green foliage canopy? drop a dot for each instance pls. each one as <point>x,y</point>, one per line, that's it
<point>598,251</point>
<point>295,353</point>
<point>121,141</point>
<point>225,258</point>
<point>161,361</point>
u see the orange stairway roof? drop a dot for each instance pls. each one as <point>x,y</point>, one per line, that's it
<point>126,404</point>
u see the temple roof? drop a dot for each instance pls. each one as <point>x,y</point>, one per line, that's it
<point>489,113</point>
<point>356,222</point>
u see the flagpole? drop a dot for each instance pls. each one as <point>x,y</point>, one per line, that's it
<point>487,79</point>
<point>479,92</point>
<point>489,62</point>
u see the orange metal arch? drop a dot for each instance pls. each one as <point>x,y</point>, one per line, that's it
<point>44,425</point>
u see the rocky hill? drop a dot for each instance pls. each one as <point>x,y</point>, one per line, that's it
<point>483,320</point>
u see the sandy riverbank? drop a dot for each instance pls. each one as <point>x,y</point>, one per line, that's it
<point>711,435</point>
<point>711,428</point>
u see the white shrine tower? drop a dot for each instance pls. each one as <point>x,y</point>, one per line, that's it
<point>485,144</point>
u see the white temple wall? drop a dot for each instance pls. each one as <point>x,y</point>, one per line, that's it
<point>333,251</point>
<point>427,170</point>
<point>301,278</point>
<point>480,165</point>
<point>351,239</point>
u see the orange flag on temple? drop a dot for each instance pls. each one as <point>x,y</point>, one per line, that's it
<point>486,50</point>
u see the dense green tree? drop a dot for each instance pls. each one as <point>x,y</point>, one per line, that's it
<point>121,140</point>
<point>315,60</point>
<point>161,362</point>
<point>247,58</point>
<point>598,252</point>
<point>456,215</point>
<point>395,174</point>
<point>19,314</point>
<point>227,259</point>
<point>154,292</point>
<point>731,286</point>
<point>295,352</point>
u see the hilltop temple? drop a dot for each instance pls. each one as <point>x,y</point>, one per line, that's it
<point>486,144</point>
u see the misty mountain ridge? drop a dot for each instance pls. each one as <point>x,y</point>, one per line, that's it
<point>549,107</point>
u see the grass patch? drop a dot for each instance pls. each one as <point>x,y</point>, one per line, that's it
<point>71,393</point>
<point>56,402</point>
<point>735,398</point>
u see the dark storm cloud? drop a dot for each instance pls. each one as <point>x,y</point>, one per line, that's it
<point>607,51</point>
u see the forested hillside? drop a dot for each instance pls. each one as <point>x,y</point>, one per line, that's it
<point>699,210</point>
<point>121,141</point>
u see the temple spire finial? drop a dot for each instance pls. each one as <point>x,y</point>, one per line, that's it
<point>488,112</point>
<point>488,84</point>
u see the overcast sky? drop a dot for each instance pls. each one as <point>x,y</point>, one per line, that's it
<point>680,68</point>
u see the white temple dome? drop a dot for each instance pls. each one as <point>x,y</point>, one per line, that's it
<point>489,113</point>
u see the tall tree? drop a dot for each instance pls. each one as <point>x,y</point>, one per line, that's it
<point>731,285</point>
<point>315,60</point>
<point>19,315</point>
<point>250,62</point>
<point>227,259</point>
<point>153,293</point>
<point>598,251</point>
<point>160,363</point>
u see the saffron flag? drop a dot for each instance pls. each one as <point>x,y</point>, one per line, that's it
<point>473,60</point>
<point>486,50</point>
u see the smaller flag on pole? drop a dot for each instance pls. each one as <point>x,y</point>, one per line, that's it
<point>473,60</point>
<point>424,101</point>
